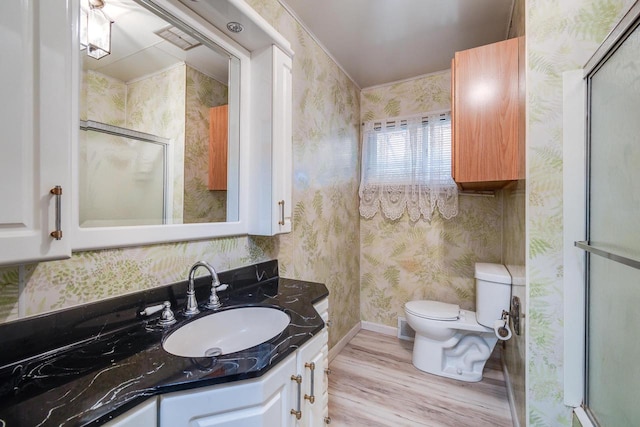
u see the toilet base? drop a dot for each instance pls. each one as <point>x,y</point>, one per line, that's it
<point>462,357</point>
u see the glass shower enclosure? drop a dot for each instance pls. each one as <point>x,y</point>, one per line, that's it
<point>612,377</point>
<point>124,177</point>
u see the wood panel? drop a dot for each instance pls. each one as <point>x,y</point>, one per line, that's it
<point>487,115</point>
<point>218,147</point>
<point>374,383</point>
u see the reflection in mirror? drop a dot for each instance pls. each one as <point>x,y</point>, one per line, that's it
<point>147,144</point>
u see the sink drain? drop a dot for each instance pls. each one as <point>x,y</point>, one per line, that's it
<point>212,352</point>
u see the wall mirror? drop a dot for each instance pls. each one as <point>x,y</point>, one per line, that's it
<point>158,151</point>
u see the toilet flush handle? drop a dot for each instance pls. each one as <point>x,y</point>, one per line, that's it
<point>515,314</point>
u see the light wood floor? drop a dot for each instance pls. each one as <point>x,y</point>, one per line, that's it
<point>374,383</point>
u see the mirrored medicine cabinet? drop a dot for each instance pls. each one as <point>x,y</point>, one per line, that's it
<point>113,152</point>
<point>164,113</point>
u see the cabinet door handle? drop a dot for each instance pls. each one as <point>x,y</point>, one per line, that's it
<point>312,367</point>
<point>281,204</point>
<point>298,379</point>
<point>57,192</point>
<point>327,420</point>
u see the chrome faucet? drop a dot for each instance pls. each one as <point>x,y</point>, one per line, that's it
<point>214,301</point>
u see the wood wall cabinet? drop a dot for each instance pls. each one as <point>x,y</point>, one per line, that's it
<point>487,92</point>
<point>36,83</point>
<point>218,147</point>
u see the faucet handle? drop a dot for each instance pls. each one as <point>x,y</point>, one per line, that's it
<point>148,311</point>
<point>214,301</point>
<point>167,317</point>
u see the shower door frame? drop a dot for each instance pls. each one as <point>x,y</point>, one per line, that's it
<point>167,158</point>
<point>627,25</point>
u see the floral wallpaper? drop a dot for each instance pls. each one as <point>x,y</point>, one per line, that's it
<point>561,36</point>
<point>322,247</point>
<point>156,105</point>
<point>200,204</point>
<point>402,261</point>
<point>9,293</point>
<point>103,98</point>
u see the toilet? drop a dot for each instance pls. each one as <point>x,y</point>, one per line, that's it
<point>456,343</point>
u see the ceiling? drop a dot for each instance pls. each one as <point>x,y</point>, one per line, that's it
<point>382,41</point>
<point>136,51</point>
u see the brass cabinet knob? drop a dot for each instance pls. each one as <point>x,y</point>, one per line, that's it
<point>327,420</point>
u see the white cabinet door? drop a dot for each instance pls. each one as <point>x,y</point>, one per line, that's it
<point>259,402</point>
<point>272,150</point>
<point>311,364</point>
<point>282,141</point>
<point>145,415</point>
<point>36,92</point>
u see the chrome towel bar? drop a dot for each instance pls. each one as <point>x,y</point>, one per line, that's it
<point>610,255</point>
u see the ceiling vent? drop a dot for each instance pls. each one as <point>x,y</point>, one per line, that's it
<point>178,38</point>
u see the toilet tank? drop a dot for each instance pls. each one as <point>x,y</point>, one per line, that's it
<point>493,292</point>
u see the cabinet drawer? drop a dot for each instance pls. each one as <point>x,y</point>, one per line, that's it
<point>322,308</point>
<point>261,401</point>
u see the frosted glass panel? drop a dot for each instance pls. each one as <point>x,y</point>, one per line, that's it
<point>615,151</point>
<point>614,371</point>
<point>614,289</point>
<point>121,181</point>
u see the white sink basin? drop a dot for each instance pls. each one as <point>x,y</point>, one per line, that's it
<point>226,332</point>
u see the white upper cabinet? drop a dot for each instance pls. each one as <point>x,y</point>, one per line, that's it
<point>36,90</point>
<point>40,122</point>
<point>271,86</point>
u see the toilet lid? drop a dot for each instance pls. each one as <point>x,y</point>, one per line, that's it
<point>433,310</point>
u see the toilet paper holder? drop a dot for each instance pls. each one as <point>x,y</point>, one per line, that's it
<point>502,329</point>
<point>515,314</point>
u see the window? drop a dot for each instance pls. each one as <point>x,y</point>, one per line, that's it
<point>406,166</point>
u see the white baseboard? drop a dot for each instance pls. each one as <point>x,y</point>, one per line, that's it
<point>510,394</point>
<point>376,327</point>
<point>333,352</point>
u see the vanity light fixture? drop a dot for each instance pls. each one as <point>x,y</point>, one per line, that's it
<point>235,27</point>
<point>95,29</point>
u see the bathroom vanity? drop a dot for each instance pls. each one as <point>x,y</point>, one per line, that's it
<point>104,363</point>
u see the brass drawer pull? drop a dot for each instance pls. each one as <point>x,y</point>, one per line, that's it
<point>57,192</point>
<point>312,367</point>
<point>298,379</point>
<point>281,204</point>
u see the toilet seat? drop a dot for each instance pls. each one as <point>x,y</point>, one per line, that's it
<point>434,310</point>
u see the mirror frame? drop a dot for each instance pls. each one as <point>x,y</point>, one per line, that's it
<point>123,236</point>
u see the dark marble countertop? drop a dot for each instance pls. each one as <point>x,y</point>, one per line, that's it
<point>87,365</point>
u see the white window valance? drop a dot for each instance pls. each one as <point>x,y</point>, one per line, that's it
<point>406,165</point>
